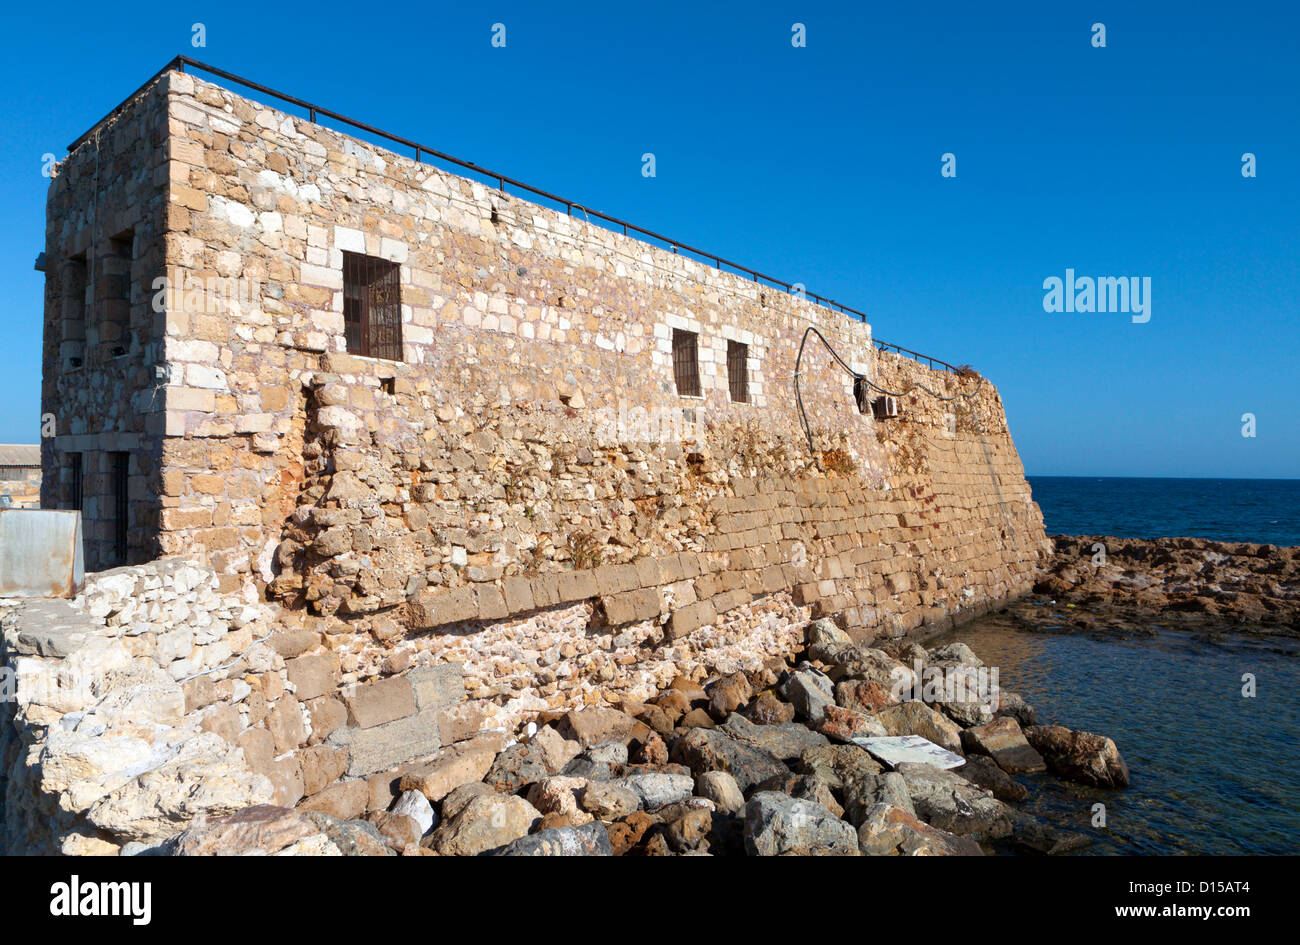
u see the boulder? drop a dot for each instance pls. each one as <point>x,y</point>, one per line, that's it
<point>810,691</point>
<point>890,830</point>
<point>559,795</point>
<point>1004,742</point>
<point>728,694</point>
<point>847,725</point>
<point>983,771</point>
<point>767,709</point>
<point>606,800</point>
<point>785,740</point>
<point>656,790</point>
<point>1079,756</point>
<point>862,795</point>
<point>710,750</point>
<point>838,765</point>
<point>721,788</point>
<point>917,718</point>
<point>952,803</point>
<point>777,824</point>
<point>588,840</point>
<point>485,822</point>
<point>596,724</point>
<point>416,806</point>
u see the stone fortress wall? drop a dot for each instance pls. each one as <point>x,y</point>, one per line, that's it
<point>524,496</point>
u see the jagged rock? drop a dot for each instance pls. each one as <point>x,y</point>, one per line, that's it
<point>917,718</point>
<point>721,788</point>
<point>728,694</point>
<point>1014,706</point>
<point>588,840</point>
<point>767,709</point>
<point>518,766</point>
<point>863,794</point>
<point>863,695</point>
<point>609,753</point>
<point>416,806</point>
<point>710,750</point>
<point>847,725</point>
<point>261,829</point>
<point>952,803</point>
<point>825,630</point>
<point>958,653</point>
<point>776,825</point>
<point>983,771</point>
<point>810,692</point>
<point>398,830</point>
<point>485,822</point>
<point>452,767</point>
<point>1003,741</point>
<point>838,765</point>
<point>596,724</point>
<point>1079,756</point>
<point>605,800</point>
<point>656,790</point>
<point>689,829</point>
<point>889,830</point>
<point>785,740</point>
<point>806,787</point>
<point>559,795</point>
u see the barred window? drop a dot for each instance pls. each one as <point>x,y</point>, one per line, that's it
<point>686,362</point>
<point>738,371</point>
<point>372,306</point>
<point>119,469</point>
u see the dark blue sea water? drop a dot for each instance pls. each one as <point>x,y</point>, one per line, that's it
<point>1213,772</point>
<point>1257,510</point>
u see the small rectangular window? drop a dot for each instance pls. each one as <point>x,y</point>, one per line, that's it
<point>372,307</point>
<point>738,371</point>
<point>119,497</point>
<point>74,482</point>
<point>686,363</point>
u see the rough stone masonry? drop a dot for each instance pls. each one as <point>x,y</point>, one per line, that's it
<point>525,485</point>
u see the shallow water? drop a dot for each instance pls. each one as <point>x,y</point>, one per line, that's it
<point>1212,772</point>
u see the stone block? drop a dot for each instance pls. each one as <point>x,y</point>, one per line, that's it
<point>371,750</point>
<point>437,686</point>
<point>375,703</point>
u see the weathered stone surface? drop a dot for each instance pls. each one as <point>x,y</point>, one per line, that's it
<point>261,829</point>
<point>312,676</point>
<point>785,740</point>
<point>485,822</point>
<point>983,771</point>
<point>415,805</point>
<point>1003,741</point>
<point>721,788</point>
<point>385,700</point>
<point>810,692</point>
<point>889,830</point>
<point>345,800</point>
<point>437,686</point>
<point>777,825</point>
<point>767,709</point>
<point>606,800</point>
<point>862,794</point>
<point>846,725</point>
<point>710,750</point>
<point>728,694</point>
<point>589,840</point>
<point>1079,756</point>
<point>656,790</point>
<point>838,765</point>
<point>594,725</point>
<point>917,718</point>
<point>454,766</point>
<point>559,795</point>
<point>371,750</point>
<point>952,803</point>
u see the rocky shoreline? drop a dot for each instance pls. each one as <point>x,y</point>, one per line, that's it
<point>767,763</point>
<point>1131,586</point>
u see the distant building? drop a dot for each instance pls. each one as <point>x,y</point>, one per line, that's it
<point>20,475</point>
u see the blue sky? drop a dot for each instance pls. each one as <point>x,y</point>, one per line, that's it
<point>821,165</point>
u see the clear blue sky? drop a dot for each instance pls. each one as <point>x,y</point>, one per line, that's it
<point>821,165</point>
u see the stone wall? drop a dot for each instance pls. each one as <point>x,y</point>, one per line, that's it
<point>106,212</point>
<point>525,493</point>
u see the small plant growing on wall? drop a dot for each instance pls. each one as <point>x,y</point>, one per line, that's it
<point>584,550</point>
<point>837,460</point>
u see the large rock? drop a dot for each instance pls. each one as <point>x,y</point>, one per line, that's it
<point>890,830</point>
<point>596,724</point>
<point>454,766</point>
<point>1079,756</point>
<point>838,765</point>
<point>810,691</point>
<point>950,802</point>
<point>485,822</point>
<point>847,725</point>
<point>917,718</point>
<point>658,790</point>
<point>606,800</point>
<point>862,795</point>
<point>728,694</point>
<point>1004,742</point>
<point>983,771</point>
<point>776,825</point>
<point>721,788</point>
<point>416,806</point>
<point>277,831</point>
<point>712,750</point>
<point>785,740</point>
<point>589,840</point>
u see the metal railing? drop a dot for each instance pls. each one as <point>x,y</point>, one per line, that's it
<point>422,152</point>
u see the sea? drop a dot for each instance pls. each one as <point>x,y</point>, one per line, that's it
<point>1208,723</point>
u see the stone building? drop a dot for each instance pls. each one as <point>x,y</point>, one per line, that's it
<point>380,392</point>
